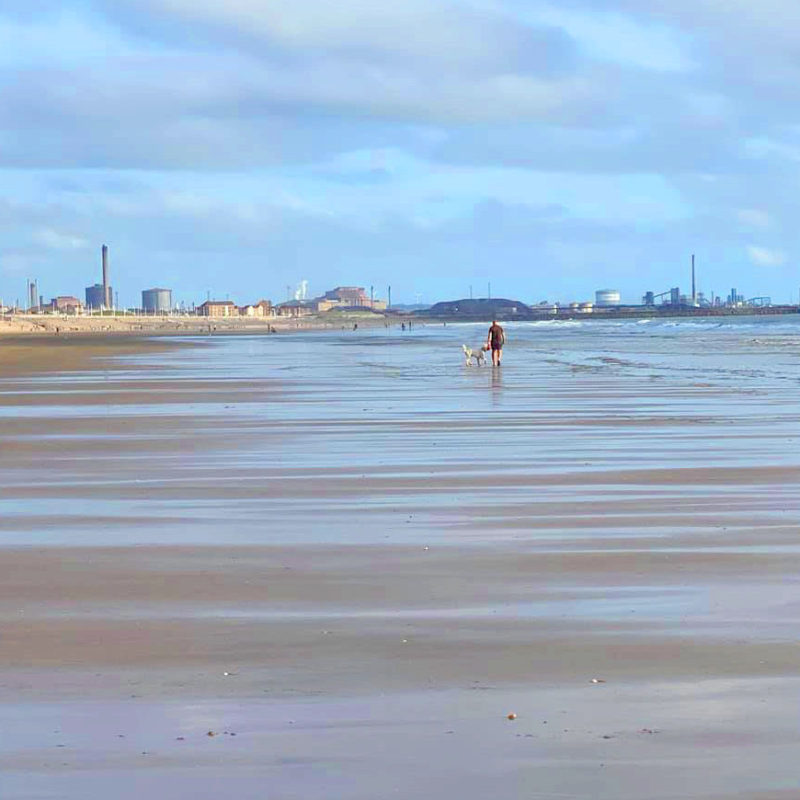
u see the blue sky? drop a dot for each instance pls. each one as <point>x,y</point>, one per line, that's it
<point>238,147</point>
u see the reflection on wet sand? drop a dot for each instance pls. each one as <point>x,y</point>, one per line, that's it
<point>497,385</point>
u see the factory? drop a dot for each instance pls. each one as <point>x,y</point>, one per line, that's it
<point>342,298</point>
<point>672,298</point>
<point>95,296</point>
<point>63,304</point>
<point>353,297</point>
<point>35,302</point>
<point>99,297</point>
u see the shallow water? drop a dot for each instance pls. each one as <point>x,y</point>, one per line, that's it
<point>377,434</point>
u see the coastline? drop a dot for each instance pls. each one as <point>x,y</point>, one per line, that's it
<point>33,325</point>
<point>70,325</point>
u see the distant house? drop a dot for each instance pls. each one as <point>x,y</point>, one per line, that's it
<point>218,308</point>
<point>294,308</point>
<point>263,308</point>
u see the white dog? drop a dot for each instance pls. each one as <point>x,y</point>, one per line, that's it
<point>476,354</point>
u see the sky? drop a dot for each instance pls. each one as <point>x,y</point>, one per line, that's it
<point>237,147</point>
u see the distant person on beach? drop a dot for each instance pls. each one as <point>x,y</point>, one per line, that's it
<point>495,341</point>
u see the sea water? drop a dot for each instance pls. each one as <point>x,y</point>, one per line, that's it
<point>380,434</point>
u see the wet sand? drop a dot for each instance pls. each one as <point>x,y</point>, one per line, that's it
<point>351,586</point>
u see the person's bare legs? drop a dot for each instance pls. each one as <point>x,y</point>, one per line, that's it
<point>496,357</point>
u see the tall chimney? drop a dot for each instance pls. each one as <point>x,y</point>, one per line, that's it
<point>106,287</point>
<point>694,288</point>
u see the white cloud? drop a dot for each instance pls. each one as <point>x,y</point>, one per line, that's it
<point>55,240</point>
<point>754,218</point>
<point>432,30</point>
<point>615,37</point>
<point>15,264</point>
<point>766,257</point>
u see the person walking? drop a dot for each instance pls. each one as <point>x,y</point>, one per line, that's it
<point>495,341</point>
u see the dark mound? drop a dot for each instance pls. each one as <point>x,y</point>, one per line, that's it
<point>481,309</point>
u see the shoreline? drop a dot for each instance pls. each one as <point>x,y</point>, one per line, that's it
<point>33,325</point>
<point>27,326</point>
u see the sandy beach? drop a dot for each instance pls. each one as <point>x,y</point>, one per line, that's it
<point>178,324</point>
<point>350,558</point>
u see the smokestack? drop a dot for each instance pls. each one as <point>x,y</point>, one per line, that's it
<point>106,287</point>
<point>694,288</point>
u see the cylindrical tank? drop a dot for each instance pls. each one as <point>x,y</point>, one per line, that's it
<point>607,297</point>
<point>157,301</point>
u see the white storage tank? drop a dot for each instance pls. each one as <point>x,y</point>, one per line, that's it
<point>607,297</point>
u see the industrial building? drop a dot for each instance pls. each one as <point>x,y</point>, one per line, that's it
<point>676,299</point>
<point>34,301</point>
<point>735,299</point>
<point>674,295</point>
<point>348,297</point>
<point>607,298</point>
<point>157,301</point>
<point>64,304</point>
<point>100,295</point>
<point>96,296</point>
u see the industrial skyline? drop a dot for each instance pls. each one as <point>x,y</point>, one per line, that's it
<point>101,296</point>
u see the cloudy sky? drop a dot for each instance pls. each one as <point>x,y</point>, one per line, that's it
<point>239,146</point>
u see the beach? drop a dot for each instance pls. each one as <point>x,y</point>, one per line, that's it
<point>177,324</point>
<point>334,563</point>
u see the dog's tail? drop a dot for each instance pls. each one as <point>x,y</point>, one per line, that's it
<point>464,348</point>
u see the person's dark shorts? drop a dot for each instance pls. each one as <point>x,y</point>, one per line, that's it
<point>497,346</point>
